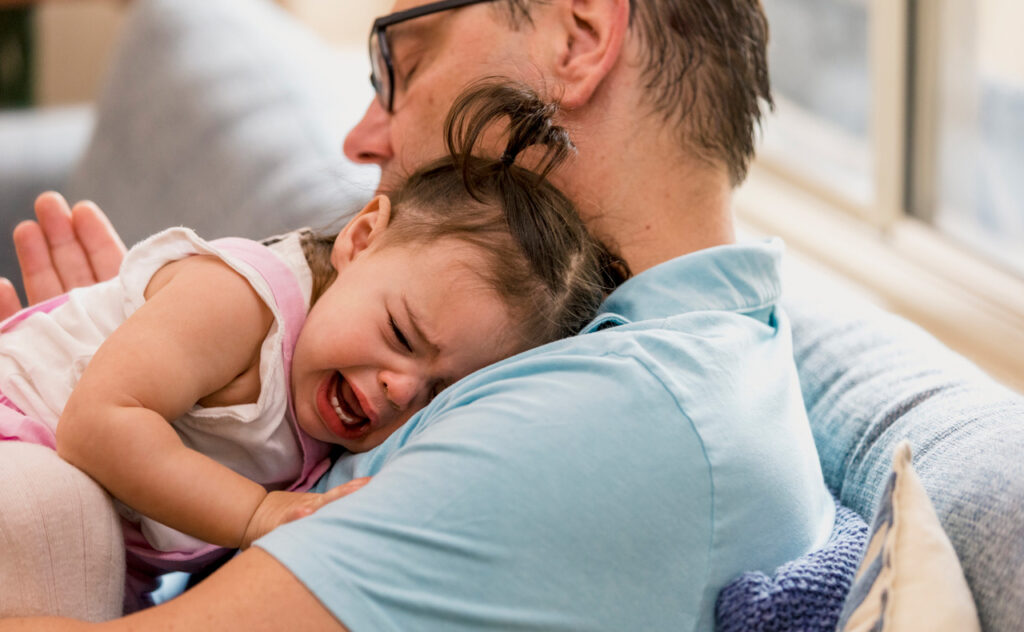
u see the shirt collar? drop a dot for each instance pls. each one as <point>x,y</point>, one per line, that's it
<point>737,277</point>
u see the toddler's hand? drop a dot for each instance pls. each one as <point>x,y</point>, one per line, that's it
<point>279,508</point>
<point>301,511</point>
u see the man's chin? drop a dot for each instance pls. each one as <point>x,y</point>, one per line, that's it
<point>390,181</point>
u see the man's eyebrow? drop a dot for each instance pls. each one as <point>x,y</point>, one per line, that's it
<point>414,321</point>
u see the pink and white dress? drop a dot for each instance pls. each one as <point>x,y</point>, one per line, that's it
<point>45,349</point>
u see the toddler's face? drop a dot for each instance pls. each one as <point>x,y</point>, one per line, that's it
<point>398,325</point>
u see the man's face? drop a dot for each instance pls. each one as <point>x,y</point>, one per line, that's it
<point>434,58</point>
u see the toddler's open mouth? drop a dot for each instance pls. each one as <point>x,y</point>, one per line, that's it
<point>340,409</point>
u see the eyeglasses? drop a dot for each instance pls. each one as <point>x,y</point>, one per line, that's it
<point>382,75</point>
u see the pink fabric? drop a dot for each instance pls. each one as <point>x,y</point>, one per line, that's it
<point>143,560</point>
<point>291,304</point>
<point>45,306</point>
<point>15,425</point>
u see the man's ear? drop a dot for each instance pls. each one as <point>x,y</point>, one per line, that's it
<point>590,38</point>
<point>364,229</point>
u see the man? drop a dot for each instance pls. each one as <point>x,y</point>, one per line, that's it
<point>616,480</point>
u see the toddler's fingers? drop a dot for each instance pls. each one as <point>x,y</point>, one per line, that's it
<point>313,502</point>
<point>344,490</point>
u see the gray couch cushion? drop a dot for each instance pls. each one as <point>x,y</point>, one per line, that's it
<point>227,117</point>
<point>872,379</point>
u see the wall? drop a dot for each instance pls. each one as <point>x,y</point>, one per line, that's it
<point>343,22</point>
<point>74,40</point>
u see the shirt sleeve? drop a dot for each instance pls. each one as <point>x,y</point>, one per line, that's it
<point>570,493</point>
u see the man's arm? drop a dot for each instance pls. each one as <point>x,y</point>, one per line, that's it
<point>252,592</point>
<point>63,249</point>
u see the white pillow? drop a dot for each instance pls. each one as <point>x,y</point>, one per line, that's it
<point>227,117</point>
<point>910,578</point>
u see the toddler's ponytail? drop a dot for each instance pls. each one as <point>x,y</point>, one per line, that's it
<point>530,123</point>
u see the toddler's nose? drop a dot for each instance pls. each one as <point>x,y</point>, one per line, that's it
<point>401,389</point>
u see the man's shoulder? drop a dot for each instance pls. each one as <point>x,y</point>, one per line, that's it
<point>661,366</point>
<point>682,377</point>
<point>633,352</point>
<point>586,385</point>
<point>683,347</point>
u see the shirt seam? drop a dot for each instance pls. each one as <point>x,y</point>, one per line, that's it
<point>700,438</point>
<point>370,613</point>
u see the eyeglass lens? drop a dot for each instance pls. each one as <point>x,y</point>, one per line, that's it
<point>380,75</point>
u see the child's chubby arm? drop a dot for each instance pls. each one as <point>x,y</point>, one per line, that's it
<point>201,327</point>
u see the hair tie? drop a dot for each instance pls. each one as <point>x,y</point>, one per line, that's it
<point>508,159</point>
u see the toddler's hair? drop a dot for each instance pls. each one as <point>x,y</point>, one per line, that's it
<point>539,256</point>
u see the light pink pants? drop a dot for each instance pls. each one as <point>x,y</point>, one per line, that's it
<point>61,548</point>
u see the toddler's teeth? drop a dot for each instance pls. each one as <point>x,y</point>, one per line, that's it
<point>345,417</point>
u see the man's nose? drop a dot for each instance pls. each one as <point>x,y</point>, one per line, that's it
<point>370,140</point>
<point>402,390</point>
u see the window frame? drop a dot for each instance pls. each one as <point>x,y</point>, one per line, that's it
<point>885,248</point>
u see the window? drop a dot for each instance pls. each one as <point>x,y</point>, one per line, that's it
<point>906,108</point>
<point>895,157</point>
<point>970,118</point>
<point>819,64</point>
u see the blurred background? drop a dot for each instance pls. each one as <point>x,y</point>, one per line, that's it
<point>57,61</point>
<point>893,165</point>
<point>54,52</point>
<point>963,92</point>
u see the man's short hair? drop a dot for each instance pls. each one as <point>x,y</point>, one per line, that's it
<point>706,69</point>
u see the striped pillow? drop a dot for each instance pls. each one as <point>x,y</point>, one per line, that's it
<point>910,578</point>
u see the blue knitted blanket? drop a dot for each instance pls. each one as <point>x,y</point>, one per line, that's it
<point>805,595</point>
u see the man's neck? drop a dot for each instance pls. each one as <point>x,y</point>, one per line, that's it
<point>664,218</point>
<point>648,201</point>
<point>637,188</point>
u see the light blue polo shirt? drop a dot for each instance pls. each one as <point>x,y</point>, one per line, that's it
<point>616,480</point>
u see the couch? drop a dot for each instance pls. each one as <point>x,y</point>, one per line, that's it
<point>229,117</point>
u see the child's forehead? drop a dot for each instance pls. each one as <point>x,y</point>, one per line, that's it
<point>453,250</point>
<point>460,311</point>
<point>440,270</point>
<point>463,274</point>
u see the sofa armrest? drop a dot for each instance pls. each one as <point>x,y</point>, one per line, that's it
<point>871,380</point>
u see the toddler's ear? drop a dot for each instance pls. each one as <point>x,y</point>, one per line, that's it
<point>364,229</point>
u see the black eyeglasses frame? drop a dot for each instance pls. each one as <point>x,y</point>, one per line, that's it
<point>378,37</point>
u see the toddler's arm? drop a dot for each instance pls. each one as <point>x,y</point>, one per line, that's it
<point>201,326</point>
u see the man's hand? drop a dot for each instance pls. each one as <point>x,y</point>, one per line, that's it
<point>63,249</point>
<point>9,301</point>
<point>279,508</point>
